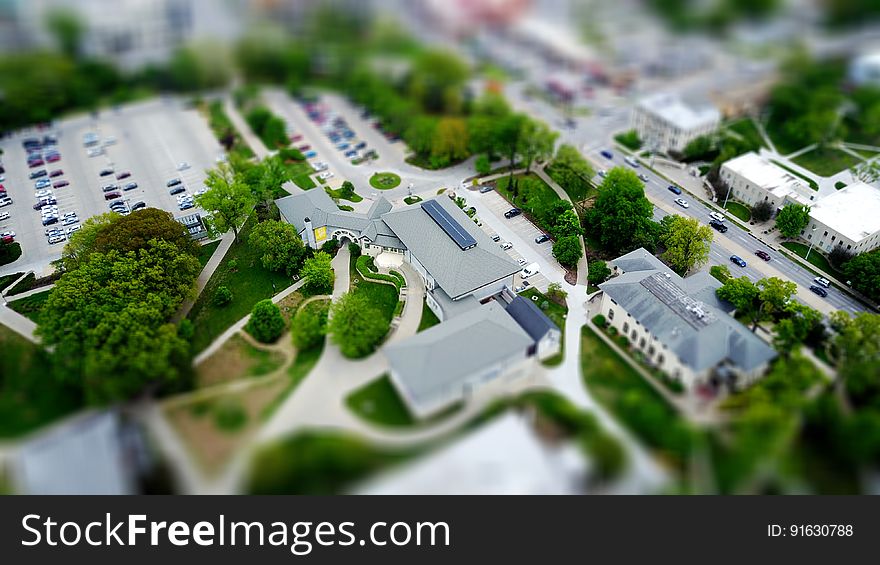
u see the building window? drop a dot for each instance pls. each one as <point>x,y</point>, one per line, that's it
<point>634,335</point>
<point>651,351</point>
<point>625,327</point>
<point>642,343</point>
<point>825,234</point>
<point>610,314</point>
<point>661,359</point>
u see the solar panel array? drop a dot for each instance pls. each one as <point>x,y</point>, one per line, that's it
<point>689,309</point>
<point>448,224</point>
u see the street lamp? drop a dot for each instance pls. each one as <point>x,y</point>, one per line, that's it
<point>813,231</point>
<point>727,196</point>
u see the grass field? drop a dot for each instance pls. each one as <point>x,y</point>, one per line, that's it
<point>337,193</point>
<point>826,161</point>
<point>31,306</point>
<point>429,318</point>
<point>625,393</point>
<point>378,402</point>
<point>205,252</point>
<point>249,283</point>
<point>816,258</point>
<point>384,181</point>
<point>739,210</point>
<point>31,395</point>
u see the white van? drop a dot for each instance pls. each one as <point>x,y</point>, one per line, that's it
<point>530,271</point>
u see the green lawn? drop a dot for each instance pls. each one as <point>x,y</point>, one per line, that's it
<point>7,280</point>
<point>746,128</point>
<point>382,296</point>
<point>629,139</point>
<point>249,283</point>
<point>31,306</point>
<point>826,161</point>
<point>557,315</point>
<point>31,395</point>
<point>429,318</point>
<point>23,285</point>
<point>378,402</point>
<point>739,210</point>
<point>206,251</point>
<point>337,193</point>
<point>384,181</point>
<point>626,394</point>
<point>840,185</point>
<point>301,174</point>
<point>816,258</point>
<point>314,462</point>
<point>222,126</point>
<point>412,199</point>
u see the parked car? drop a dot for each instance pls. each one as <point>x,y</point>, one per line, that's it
<point>506,245</point>
<point>674,189</point>
<point>37,174</point>
<point>343,146</point>
<point>603,173</point>
<point>57,239</point>
<point>295,138</point>
<point>182,166</point>
<point>486,188</point>
<point>304,147</point>
<point>736,259</point>
<point>4,216</point>
<point>138,206</point>
<point>176,190</point>
<point>109,187</point>
<point>543,238</point>
<point>762,254</point>
<point>123,175</point>
<point>42,183</point>
<point>643,177</point>
<point>60,184</point>
<point>325,175</point>
<point>607,154</point>
<point>819,290</point>
<point>310,155</point>
<point>56,173</point>
<point>73,229</point>
<point>496,238</point>
<point>130,186</point>
<point>105,172</point>
<point>351,153</point>
<point>718,226</point>
<point>36,163</point>
<point>822,281</point>
<point>522,287</point>
<point>43,193</point>
<point>512,213</point>
<point>69,221</point>
<point>112,195</point>
<point>173,182</point>
<point>53,158</point>
<point>682,202</point>
<point>5,201</point>
<point>361,145</point>
<point>50,220</point>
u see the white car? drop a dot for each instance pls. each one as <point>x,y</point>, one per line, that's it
<point>95,151</point>
<point>184,196</point>
<point>717,216</point>
<point>200,191</point>
<point>522,262</point>
<point>320,166</point>
<point>69,221</point>
<point>506,245</point>
<point>109,140</point>
<point>5,202</point>
<point>182,166</point>
<point>42,193</point>
<point>325,175</point>
<point>7,233</point>
<point>4,216</point>
<point>73,229</point>
<point>602,173</point>
<point>822,281</point>
<point>57,239</point>
<point>682,202</point>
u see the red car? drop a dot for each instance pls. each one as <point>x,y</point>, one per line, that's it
<point>53,158</point>
<point>297,137</point>
<point>112,195</point>
<point>60,184</point>
<point>123,175</point>
<point>763,255</point>
<point>7,239</point>
<point>56,173</point>
<point>304,147</point>
<point>36,163</point>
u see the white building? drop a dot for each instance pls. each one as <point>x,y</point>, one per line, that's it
<point>848,218</point>
<point>753,178</point>
<point>666,122</point>
<point>865,69</point>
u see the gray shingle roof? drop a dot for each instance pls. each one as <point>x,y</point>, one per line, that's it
<point>701,340</point>
<point>457,271</point>
<point>530,318</point>
<point>431,367</point>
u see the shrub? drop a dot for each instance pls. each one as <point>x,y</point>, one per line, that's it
<point>318,272</point>
<point>482,165</point>
<point>309,326</point>
<point>354,249</point>
<point>266,323</point>
<point>186,329</point>
<point>720,272</point>
<point>233,264</point>
<point>598,272</point>
<point>330,246</point>
<point>599,321</point>
<point>607,455</point>
<point>222,296</point>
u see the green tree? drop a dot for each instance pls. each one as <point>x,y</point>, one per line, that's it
<point>567,223</point>
<point>228,199</point>
<point>743,294</point>
<point>273,174</point>
<point>568,250</point>
<point>347,189</point>
<point>68,29</point>
<point>572,172</point>
<point>856,347</point>
<point>450,141</point>
<point>280,247</point>
<point>775,295</point>
<point>482,165</point>
<point>266,323</point>
<point>621,213</point>
<point>792,219</point>
<point>107,320</point>
<point>698,148</point>
<point>309,325</point>
<point>355,325</point>
<point>318,273</point>
<point>762,211</point>
<point>863,271</point>
<point>537,141</point>
<point>598,272</point>
<point>81,243</point>
<point>687,242</point>
<point>222,296</point>
<point>436,80</point>
<point>796,328</point>
<point>133,232</point>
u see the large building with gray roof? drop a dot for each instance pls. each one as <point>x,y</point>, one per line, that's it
<point>428,235</point>
<point>487,346</point>
<point>680,325</point>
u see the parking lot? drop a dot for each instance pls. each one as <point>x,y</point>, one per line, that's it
<point>520,232</point>
<point>148,140</point>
